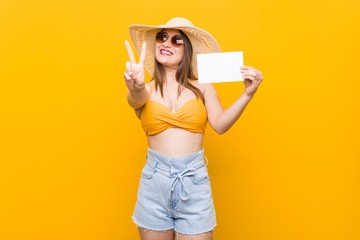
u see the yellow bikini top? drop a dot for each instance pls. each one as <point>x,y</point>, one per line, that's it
<point>156,117</point>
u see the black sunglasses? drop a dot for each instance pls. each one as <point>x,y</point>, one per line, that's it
<point>176,40</point>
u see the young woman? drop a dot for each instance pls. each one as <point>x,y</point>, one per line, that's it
<point>174,195</point>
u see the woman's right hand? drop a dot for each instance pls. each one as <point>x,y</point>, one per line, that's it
<point>134,74</point>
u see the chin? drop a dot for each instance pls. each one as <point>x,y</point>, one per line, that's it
<point>167,63</point>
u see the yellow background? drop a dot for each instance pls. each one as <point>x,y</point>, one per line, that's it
<point>71,149</point>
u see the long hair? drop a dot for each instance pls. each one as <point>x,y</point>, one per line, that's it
<point>184,74</point>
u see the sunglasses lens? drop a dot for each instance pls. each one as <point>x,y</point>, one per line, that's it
<point>176,40</point>
<point>161,37</point>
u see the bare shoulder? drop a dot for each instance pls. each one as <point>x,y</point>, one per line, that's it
<point>205,88</point>
<point>212,101</point>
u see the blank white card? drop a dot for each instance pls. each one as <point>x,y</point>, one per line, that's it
<point>220,67</point>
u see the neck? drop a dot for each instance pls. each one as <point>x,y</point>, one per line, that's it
<point>170,75</point>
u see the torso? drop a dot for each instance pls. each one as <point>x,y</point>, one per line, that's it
<point>175,141</point>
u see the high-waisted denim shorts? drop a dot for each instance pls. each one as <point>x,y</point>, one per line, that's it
<point>175,193</point>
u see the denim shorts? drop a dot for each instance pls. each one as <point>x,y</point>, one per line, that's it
<point>175,193</point>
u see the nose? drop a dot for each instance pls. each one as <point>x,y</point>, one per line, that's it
<point>167,43</point>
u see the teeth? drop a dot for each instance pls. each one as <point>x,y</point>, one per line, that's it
<point>165,52</point>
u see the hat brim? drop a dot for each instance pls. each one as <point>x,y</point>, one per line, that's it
<point>201,41</point>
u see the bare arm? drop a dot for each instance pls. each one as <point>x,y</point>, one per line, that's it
<point>222,120</point>
<point>137,99</point>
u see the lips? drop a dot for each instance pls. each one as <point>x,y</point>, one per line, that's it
<point>165,52</point>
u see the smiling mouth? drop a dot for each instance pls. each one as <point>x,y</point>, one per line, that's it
<point>165,52</point>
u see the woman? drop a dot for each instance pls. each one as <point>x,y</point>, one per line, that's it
<point>174,196</point>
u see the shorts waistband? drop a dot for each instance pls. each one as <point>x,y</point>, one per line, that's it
<point>176,168</point>
<point>174,165</point>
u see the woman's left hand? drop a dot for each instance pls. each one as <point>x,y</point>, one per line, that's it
<point>252,79</point>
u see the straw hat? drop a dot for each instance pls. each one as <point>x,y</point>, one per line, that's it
<point>201,40</point>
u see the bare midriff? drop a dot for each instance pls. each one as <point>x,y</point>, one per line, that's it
<point>176,142</point>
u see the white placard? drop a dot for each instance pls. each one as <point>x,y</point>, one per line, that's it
<point>220,67</point>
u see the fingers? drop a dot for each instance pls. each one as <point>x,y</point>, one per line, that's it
<point>135,71</point>
<point>128,67</point>
<point>252,78</point>
<point>128,75</point>
<point>143,53</point>
<point>130,52</point>
<point>251,73</point>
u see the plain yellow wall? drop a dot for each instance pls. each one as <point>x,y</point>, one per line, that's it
<point>71,149</point>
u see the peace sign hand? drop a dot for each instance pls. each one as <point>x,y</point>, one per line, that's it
<point>134,74</point>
